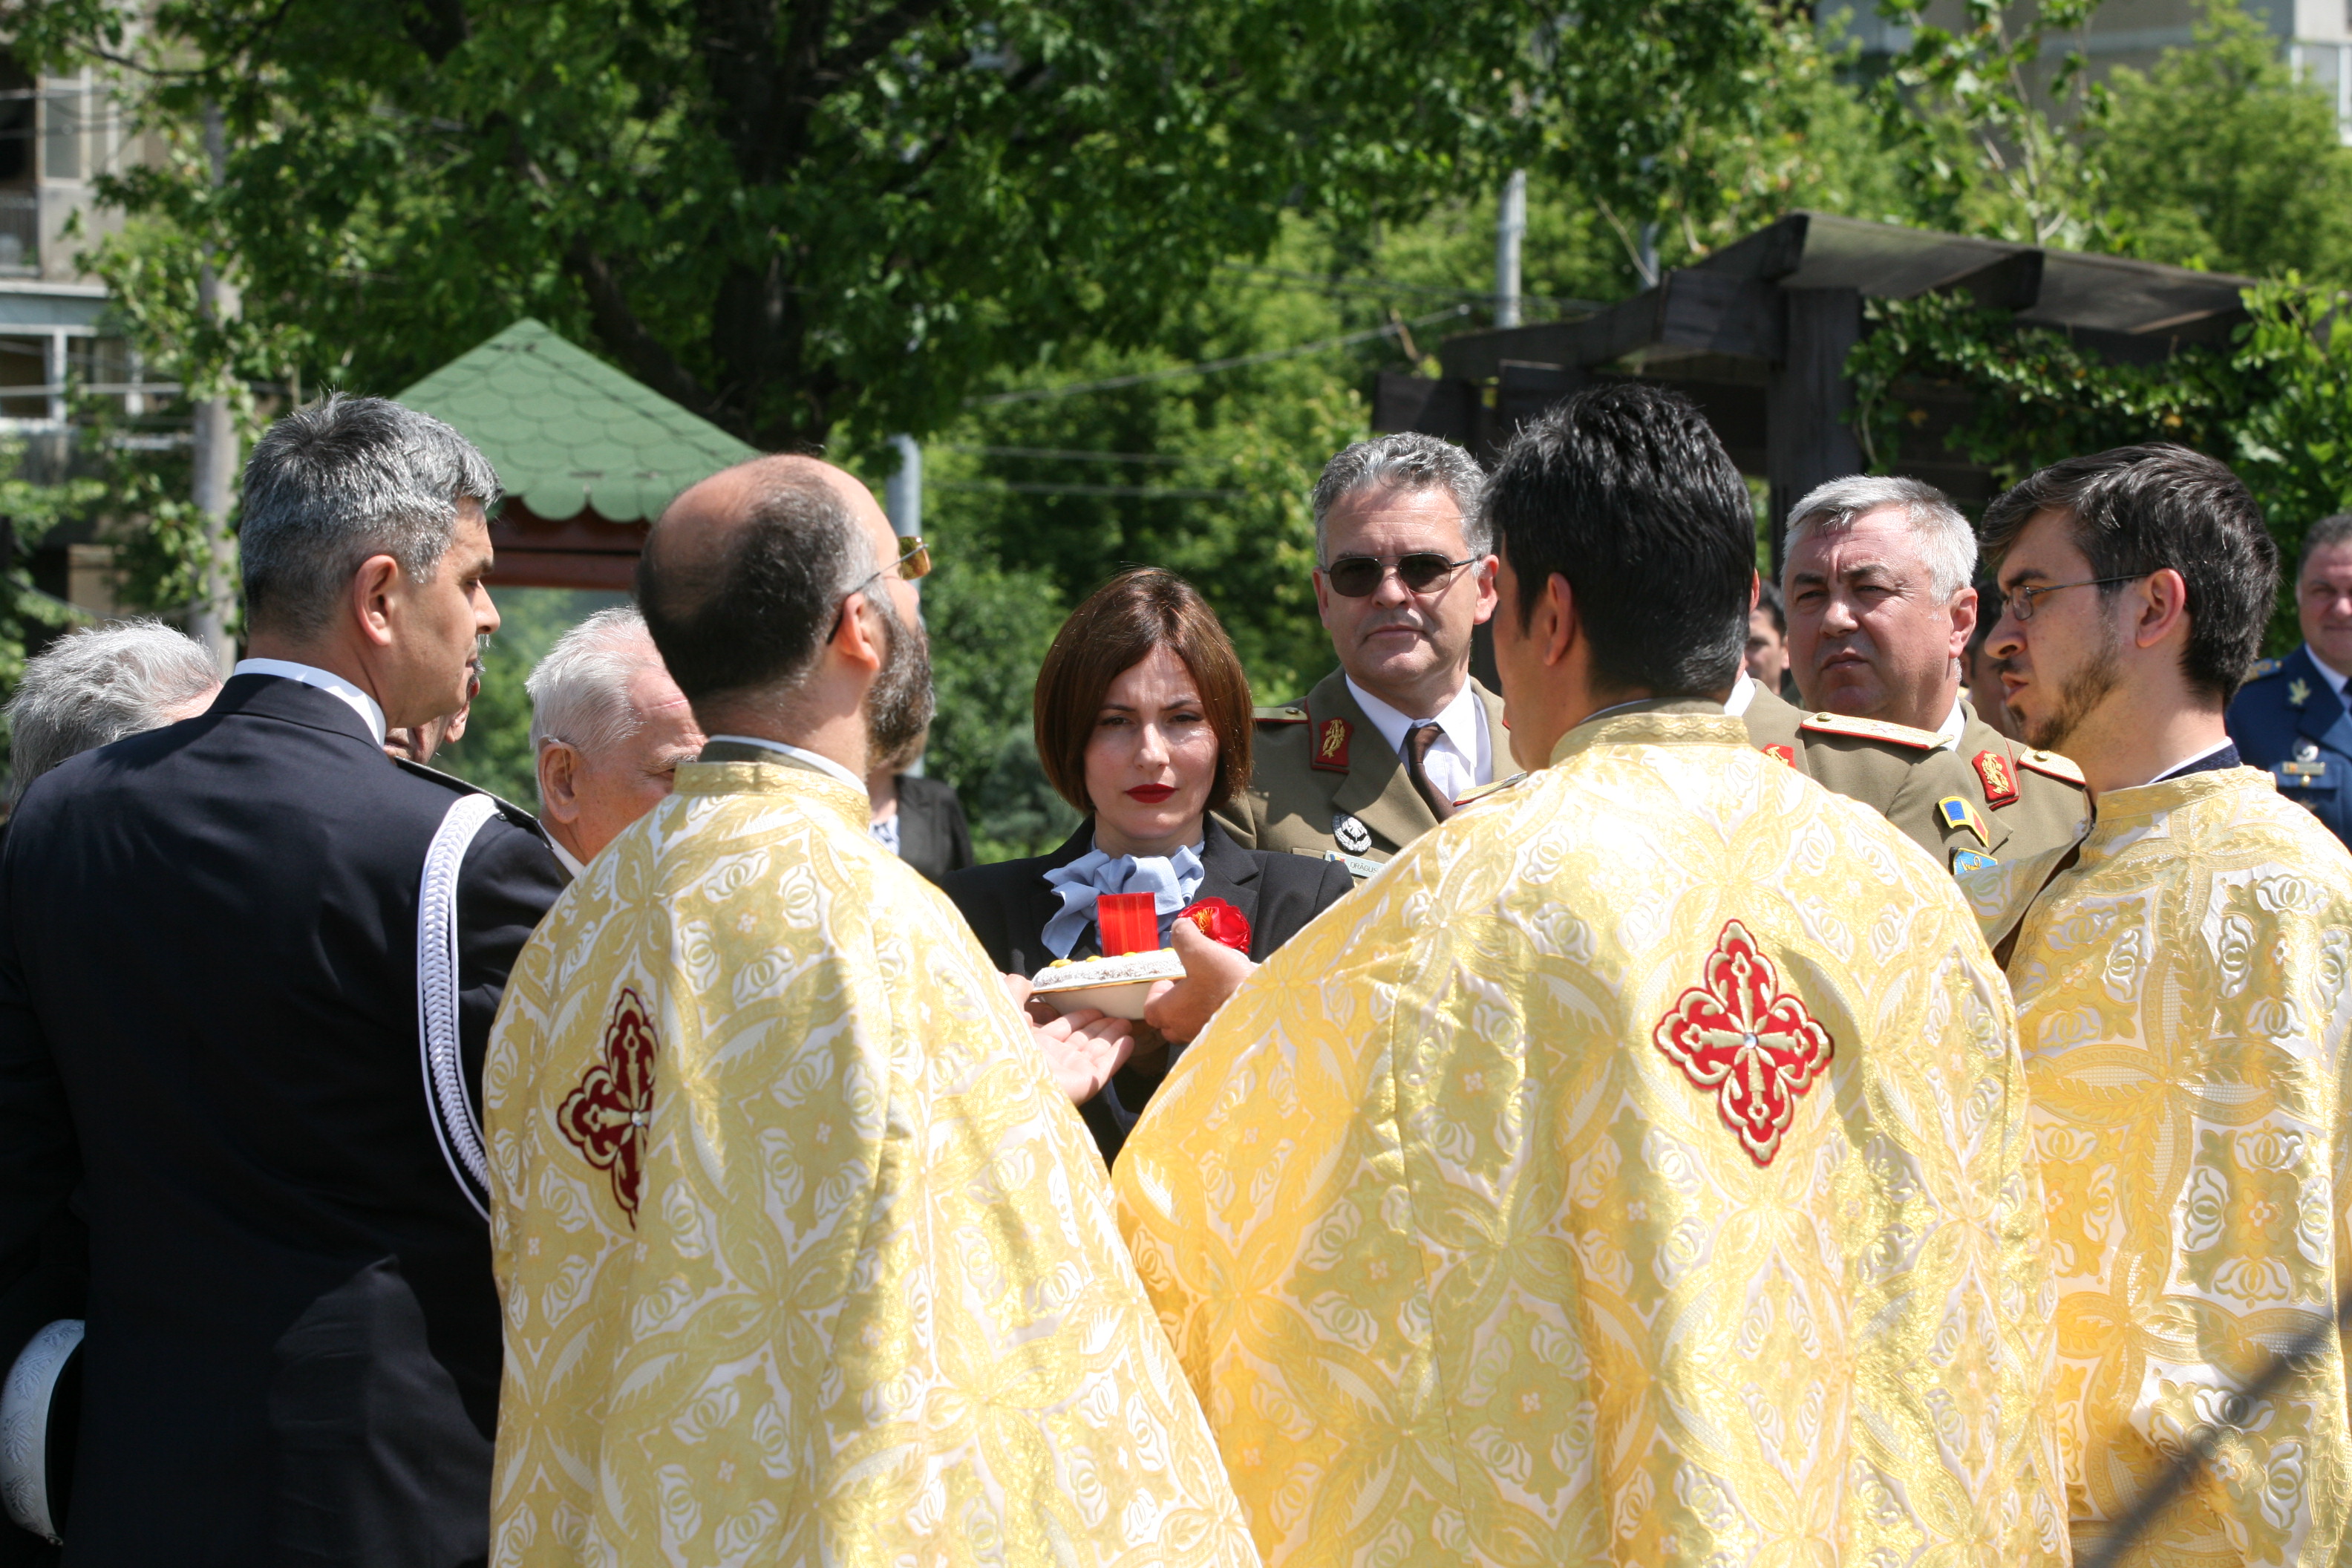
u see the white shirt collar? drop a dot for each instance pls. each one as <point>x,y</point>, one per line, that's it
<point>822,764</point>
<point>2221,746</point>
<point>1743,693</point>
<point>2325,672</point>
<point>570,862</point>
<point>366,707</point>
<point>1462,721</point>
<point>1954,725</point>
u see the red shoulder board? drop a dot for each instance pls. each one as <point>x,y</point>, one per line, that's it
<point>1331,745</point>
<point>1992,772</point>
<point>1786,753</point>
<point>1871,730</point>
<point>2051,765</point>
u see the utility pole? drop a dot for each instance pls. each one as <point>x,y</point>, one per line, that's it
<point>213,439</point>
<point>1510,229</point>
<point>902,492</point>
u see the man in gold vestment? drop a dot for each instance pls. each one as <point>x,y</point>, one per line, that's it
<point>804,1258</point>
<point>1634,1170</point>
<point>2184,988</point>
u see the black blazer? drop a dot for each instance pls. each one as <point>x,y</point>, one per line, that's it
<point>1008,904</point>
<point>209,1051</point>
<point>933,836</point>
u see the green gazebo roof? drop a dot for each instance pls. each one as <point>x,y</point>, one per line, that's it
<point>570,434</point>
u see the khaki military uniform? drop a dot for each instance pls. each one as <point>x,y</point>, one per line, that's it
<point>1985,798</point>
<point>1324,781</point>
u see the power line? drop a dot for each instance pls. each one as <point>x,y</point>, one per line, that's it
<point>1129,492</point>
<point>1071,453</point>
<point>1384,286</point>
<point>1207,367</point>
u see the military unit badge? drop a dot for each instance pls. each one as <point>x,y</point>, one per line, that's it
<point>1958,814</point>
<point>1353,836</point>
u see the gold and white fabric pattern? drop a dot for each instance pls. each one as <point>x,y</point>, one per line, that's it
<point>802,1257</point>
<point>1635,1171</point>
<point>2183,1003</point>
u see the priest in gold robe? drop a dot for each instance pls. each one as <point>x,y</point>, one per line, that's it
<point>804,1258</point>
<point>1635,1171</point>
<point>2184,992</point>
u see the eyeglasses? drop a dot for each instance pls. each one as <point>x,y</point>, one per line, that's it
<point>1354,576</point>
<point>2019,601</point>
<point>914,564</point>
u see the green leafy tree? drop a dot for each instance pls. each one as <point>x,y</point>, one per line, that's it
<point>2220,158</point>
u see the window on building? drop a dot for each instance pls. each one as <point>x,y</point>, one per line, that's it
<point>61,137</point>
<point>15,122</point>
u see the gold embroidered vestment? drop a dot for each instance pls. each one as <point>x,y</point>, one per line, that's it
<point>2183,1005</point>
<point>1636,1171</point>
<point>802,1257</point>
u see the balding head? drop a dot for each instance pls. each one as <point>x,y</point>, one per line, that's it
<point>741,580</point>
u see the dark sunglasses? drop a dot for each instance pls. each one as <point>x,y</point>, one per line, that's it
<point>1354,576</point>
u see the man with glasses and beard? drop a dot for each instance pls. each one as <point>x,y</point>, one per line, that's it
<point>1380,750</point>
<point>805,1257</point>
<point>2183,1005</point>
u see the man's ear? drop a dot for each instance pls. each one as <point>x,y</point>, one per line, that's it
<point>558,791</point>
<point>853,640</point>
<point>2164,605</point>
<point>1552,625</point>
<point>1755,591</point>
<point>375,586</point>
<point>1490,598</point>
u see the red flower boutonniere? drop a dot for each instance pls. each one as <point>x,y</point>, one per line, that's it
<point>1219,921</point>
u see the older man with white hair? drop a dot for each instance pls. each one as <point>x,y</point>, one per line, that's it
<point>1878,582</point>
<point>608,729</point>
<point>90,689</point>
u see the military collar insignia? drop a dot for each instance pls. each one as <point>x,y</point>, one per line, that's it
<point>1871,730</point>
<point>2298,693</point>
<point>1783,754</point>
<point>1992,772</point>
<point>1957,814</point>
<point>1351,835</point>
<point>1331,745</point>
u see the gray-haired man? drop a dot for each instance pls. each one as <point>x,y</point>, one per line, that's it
<point>608,728</point>
<point>1381,750</point>
<point>90,689</point>
<point>1879,582</point>
<point>247,967</point>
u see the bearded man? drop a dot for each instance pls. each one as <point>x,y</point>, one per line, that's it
<point>2183,1002</point>
<point>805,1257</point>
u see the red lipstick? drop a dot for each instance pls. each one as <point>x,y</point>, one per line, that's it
<point>1150,794</point>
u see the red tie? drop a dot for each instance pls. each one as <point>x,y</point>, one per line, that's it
<point>1416,756</point>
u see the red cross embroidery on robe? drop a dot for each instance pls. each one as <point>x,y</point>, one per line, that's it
<point>610,1115</point>
<point>1737,1035</point>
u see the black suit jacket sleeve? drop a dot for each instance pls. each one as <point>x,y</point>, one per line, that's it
<point>42,1256</point>
<point>508,879</point>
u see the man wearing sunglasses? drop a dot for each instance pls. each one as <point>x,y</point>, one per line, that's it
<point>2186,1023</point>
<point>1380,750</point>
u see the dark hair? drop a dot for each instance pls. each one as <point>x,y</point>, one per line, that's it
<point>2139,509</point>
<point>1115,630</point>
<point>346,478</point>
<point>2334,528</point>
<point>1624,491</point>
<point>1987,589</point>
<point>754,613</point>
<point>1769,600</point>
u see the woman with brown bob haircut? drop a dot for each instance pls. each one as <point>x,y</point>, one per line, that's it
<point>1144,724</point>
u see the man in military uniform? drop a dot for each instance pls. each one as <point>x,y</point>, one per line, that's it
<point>2290,717</point>
<point>1380,750</point>
<point>1880,611</point>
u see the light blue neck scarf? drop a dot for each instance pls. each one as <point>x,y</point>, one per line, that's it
<point>1171,879</point>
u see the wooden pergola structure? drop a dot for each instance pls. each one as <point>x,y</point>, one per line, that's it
<point>588,456</point>
<point>1757,335</point>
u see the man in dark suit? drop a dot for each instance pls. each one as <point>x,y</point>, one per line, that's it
<point>2291,715</point>
<point>213,1049</point>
